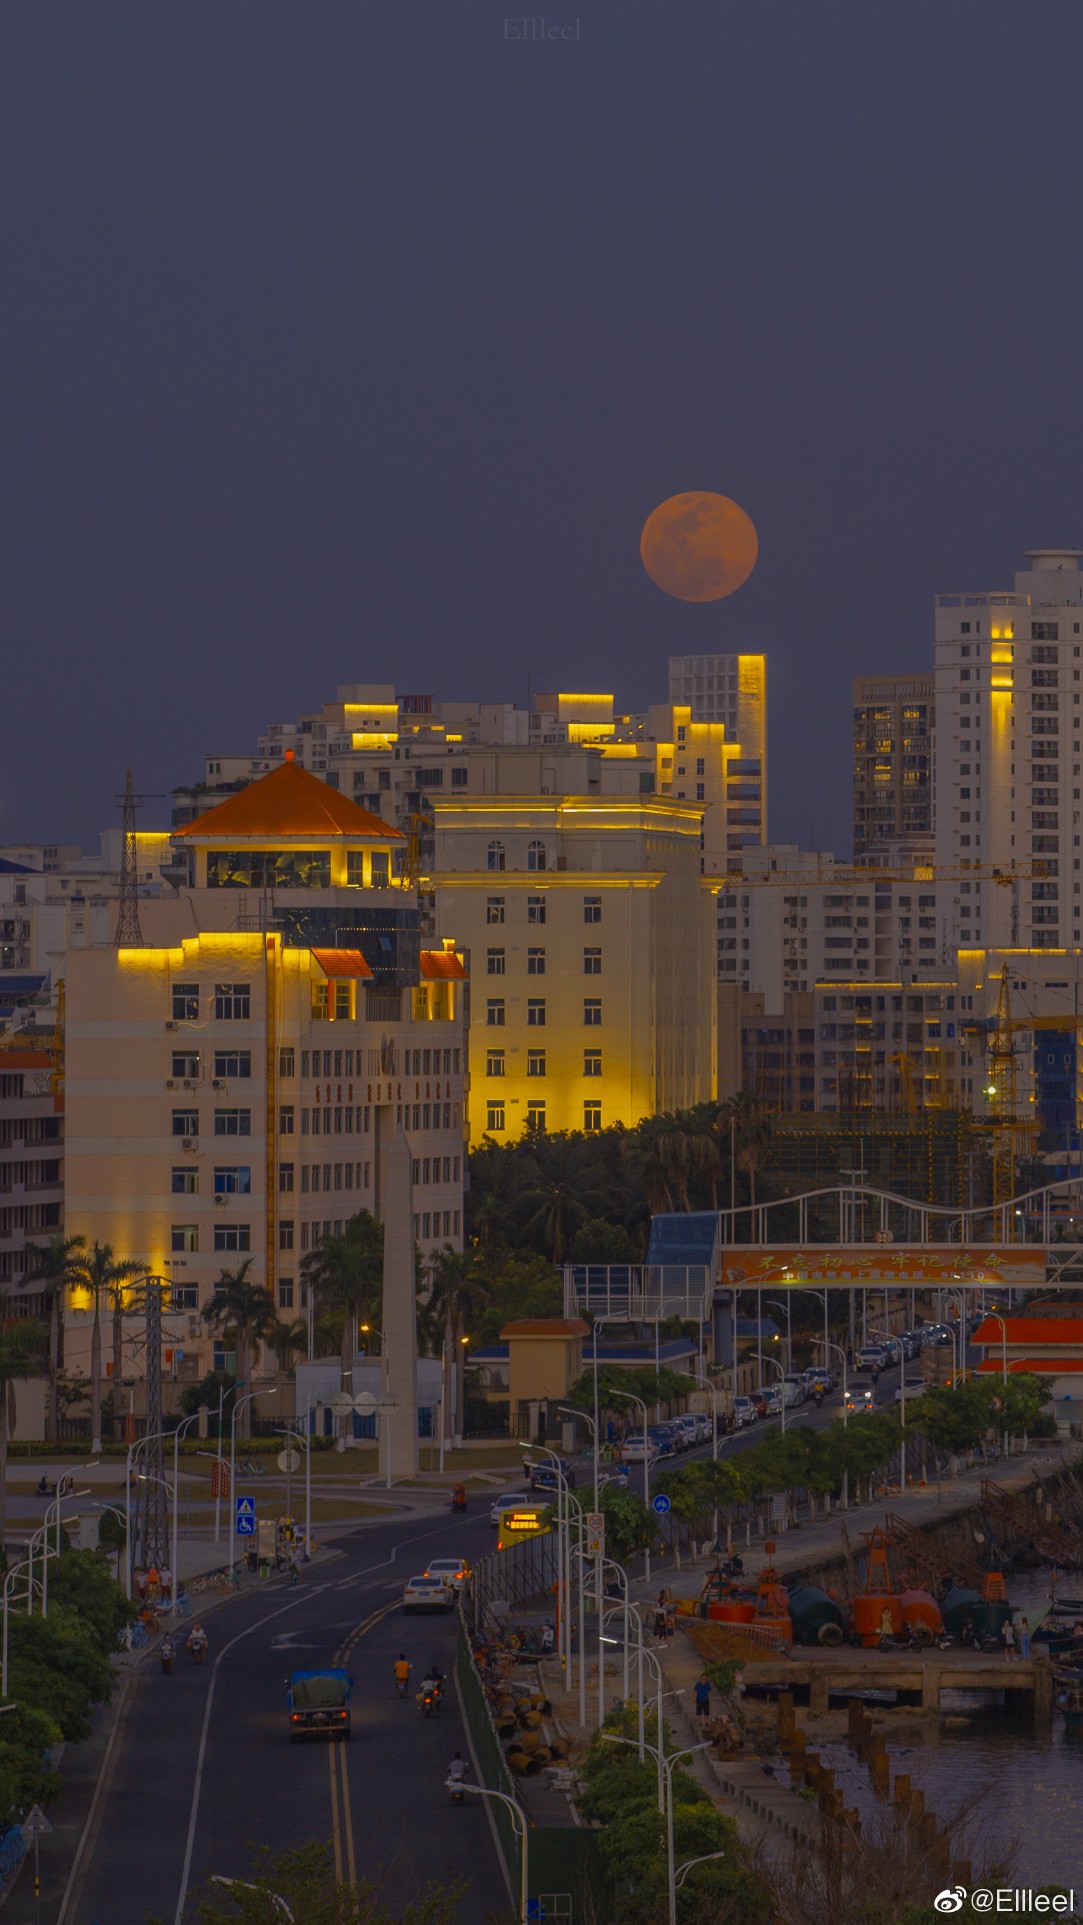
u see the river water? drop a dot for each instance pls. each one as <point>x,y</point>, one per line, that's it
<point>1027,1785</point>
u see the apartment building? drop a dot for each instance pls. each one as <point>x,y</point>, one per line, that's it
<point>234,1082</point>
<point>31,1157</point>
<point>587,933</point>
<point>1009,756</point>
<point>893,736</point>
<point>839,1048</point>
<point>1042,987</point>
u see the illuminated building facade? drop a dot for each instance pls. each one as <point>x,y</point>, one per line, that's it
<point>587,931</point>
<point>893,724</point>
<point>233,1085</point>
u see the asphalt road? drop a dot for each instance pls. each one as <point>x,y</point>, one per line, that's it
<point>204,1766</point>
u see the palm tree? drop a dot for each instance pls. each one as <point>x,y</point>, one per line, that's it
<point>495,1191</point>
<point>24,1352</point>
<point>750,1122</point>
<point>346,1271</point>
<point>561,1185</point>
<point>287,1340</point>
<point>57,1265</point>
<point>101,1274</point>
<point>457,1291</point>
<point>244,1311</point>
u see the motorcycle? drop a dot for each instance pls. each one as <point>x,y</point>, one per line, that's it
<point>197,1649</point>
<point>818,1398</point>
<point>458,1502</point>
<point>429,1699</point>
<point>401,1685</point>
<point>166,1654</point>
<point>455,1785</point>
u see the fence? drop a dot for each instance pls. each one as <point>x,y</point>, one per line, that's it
<point>524,1574</point>
<point>494,1772</point>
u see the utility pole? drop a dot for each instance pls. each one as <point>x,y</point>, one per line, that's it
<point>129,935</point>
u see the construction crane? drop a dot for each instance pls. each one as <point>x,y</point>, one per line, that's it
<point>1011,1136</point>
<point>918,873</point>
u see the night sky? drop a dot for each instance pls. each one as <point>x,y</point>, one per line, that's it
<point>355,342</point>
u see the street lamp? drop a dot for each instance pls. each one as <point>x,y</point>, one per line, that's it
<point>60,1492</point>
<point>194,1419</point>
<point>712,1389</point>
<point>562,1561</point>
<point>301,1437</point>
<point>265,1390</point>
<point>482,1791</point>
<point>773,1304</point>
<point>54,1506</point>
<point>1004,1367</point>
<point>691,1863</point>
<point>845,1398</point>
<point>775,1365</point>
<point>280,1905</point>
<point>667,1765</point>
<point>445,1348</point>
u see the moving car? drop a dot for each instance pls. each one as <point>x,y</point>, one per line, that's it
<point>453,1570</point>
<point>543,1477</point>
<point>871,1353</point>
<point>426,1593</point>
<point>318,1704</point>
<point>503,1503</point>
<point>914,1388</point>
<point>794,1390</point>
<point>860,1400</point>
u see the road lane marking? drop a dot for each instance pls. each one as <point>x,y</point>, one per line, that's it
<point>349,1583</point>
<point>257,1625</point>
<point>336,1830</point>
<point>338,1766</point>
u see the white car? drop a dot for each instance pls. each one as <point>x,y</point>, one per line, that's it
<point>453,1570</point>
<point>637,1450</point>
<point>744,1411</point>
<point>914,1388</point>
<point>426,1593</point>
<point>506,1503</point>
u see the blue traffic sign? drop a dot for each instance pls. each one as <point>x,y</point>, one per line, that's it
<point>660,1503</point>
<point>246,1517</point>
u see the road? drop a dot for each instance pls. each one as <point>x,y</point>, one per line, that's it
<point>204,1766</point>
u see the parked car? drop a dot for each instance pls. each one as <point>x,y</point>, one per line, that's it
<point>638,1449</point>
<point>744,1412</point>
<point>428,1594</point>
<point>767,1400</point>
<point>704,1426</point>
<point>794,1390</point>
<point>914,1388</point>
<point>870,1354</point>
<point>543,1477</point>
<point>665,1436</point>
<point>687,1427</point>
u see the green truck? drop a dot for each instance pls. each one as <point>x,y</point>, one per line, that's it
<point>319,1704</point>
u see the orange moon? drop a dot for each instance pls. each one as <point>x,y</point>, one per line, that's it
<point>699,547</point>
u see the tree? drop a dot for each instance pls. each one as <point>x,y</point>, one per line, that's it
<point>23,1353</point>
<point>57,1265</point>
<point>597,1241</point>
<point>304,1882</point>
<point>101,1275</point>
<point>518,1283</point>
<point>457,1291</point>
<point>245,1312</point>
<point>495,1185</point>
<point>561,1185</point>
<point>287,1339</point>
<point>750,1124</point>
<point>346,1271</point>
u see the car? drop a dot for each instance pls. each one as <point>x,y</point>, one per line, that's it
<point>704,1426</point>
<point>543,1477</point>
<point>664,1439</point>
<point>870,1354</point>
<point>638,1449</point>
<point>688,1429</point>
<point>504,1503</point>
<point>424,1593</point>
<point>794,1389</point>
<point>914,1388</point>
<point>860,1400</point>
<point>453,1570</point>
<point>744,1412</point>
<point>767,1400</point>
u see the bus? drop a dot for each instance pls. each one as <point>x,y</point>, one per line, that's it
<point>517,1521</point>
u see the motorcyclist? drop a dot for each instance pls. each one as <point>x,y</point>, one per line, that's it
<point>455,1774</point>
<point>458,1497</point>
<point>167,1651</point>
<point>197,1639</point>
<point>402,1673</point>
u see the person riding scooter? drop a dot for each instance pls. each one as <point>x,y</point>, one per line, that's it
<point>198,1643</point>
<point>167,1651</point>
<point>455,1776</point>
<point>458,1497</point>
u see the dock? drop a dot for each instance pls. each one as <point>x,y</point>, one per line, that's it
<point>918,1678</point>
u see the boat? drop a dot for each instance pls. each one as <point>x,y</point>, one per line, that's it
<point>1070,1701</point>
<point>1057,1632</point>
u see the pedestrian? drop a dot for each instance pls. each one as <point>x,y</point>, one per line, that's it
<point>1024,1638</point>
<point>1007,1633</point>
<point>152,1583</point>
<point>141,1585</point>
<point>166,1581</point>
<point>703,1696</point>
<point>660,1623</point>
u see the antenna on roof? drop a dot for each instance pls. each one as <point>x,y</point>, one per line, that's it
<point>129,935</point>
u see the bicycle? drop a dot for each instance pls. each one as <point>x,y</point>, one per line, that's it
<point>182,1607</point>
<point>138,1637</point>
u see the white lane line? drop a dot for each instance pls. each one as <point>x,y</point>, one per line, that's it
<point>268,1618</point>
<point>351,1583</point>
<point>487,1802</point>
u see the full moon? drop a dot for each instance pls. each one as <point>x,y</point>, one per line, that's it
<point>699,547</point>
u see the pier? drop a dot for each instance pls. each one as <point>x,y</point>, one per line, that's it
<point>916,1678</point>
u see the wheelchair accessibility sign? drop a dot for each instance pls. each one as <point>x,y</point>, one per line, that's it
<point>246,1517</point>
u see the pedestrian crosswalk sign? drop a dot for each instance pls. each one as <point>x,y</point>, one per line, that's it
<point>246,1516</point>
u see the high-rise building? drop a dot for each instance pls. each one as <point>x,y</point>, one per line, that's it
<point>31,1158</point>
<point>586,927</point>
<point>233,1083</point>
<point>1008,754</point>
<point>893,722</point>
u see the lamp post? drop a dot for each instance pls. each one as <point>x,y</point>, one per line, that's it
<point>775,1365</point>
<point>44,1533</point>
<point>666,1766</point>
<point>633,1399</point>
<point>177,1434</point>
<point>223,1472</point>
<point>280,1905</point>
<point>483,1791</point>
<point>774,1304</point>
<point>561,1566</point>
<point>845,1413</point>
<point>371,1329</point>
<point>690,1864</point>
<point>704,1380</point>
<point>1004,1368</point>
<point>267,1390</point>
<point>60,1492</point>
<point>587,1419</point>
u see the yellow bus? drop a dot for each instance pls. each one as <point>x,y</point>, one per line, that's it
<point>521,1520</point>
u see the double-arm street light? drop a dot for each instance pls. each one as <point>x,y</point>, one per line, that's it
<point>483,1791</point>
<point>666,1765</point>
<point>177,1435</point>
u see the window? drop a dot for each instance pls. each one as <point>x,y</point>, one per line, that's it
<point>592,1116</point>
<point>184,1296</point>
<point>184,1236</point>
<point>233,1122</point>
<point>592,1012</point>
<point>494,1062</point>
<point>286,1061</point>
<point>592,1062</point>
<point>185,1182</point>
<point>592,908</point>
<point>494,1012</point>
<point>459,778</point>
<point>233,1062</point>
<point>535,1062</point>
<point>185,1002</point>
<point>496,861</point>
<point>232,1236</point>
<point>285,1293</point>
<point>535,856</point>
<point>232,1180</point>
<point>535,962</point>
<point>494,1116</point>
<point>494,962</point>
<point>592,962</point>
<point>186,1122</point>
<point>535,1116</point>
<point>232,1002</point>
<point>535,909</point>
<point>285,1179</point>
<point>494,909</point>
<point>185,1065</point>
<point>285,1234</point>
<point>285,1121</point>
<point>535,1013</point>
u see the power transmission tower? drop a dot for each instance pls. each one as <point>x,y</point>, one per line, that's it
<point>150,1516</point>
<point>129,935</point>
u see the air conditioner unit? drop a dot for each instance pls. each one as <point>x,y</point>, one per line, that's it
<point>220,1198</point>
<point>171,1025</point>
<point>188,1085</point>
<point>189,1143</point>
<point>215,1084</point>
<point>171,1086</point>
<point>194,1326</point>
